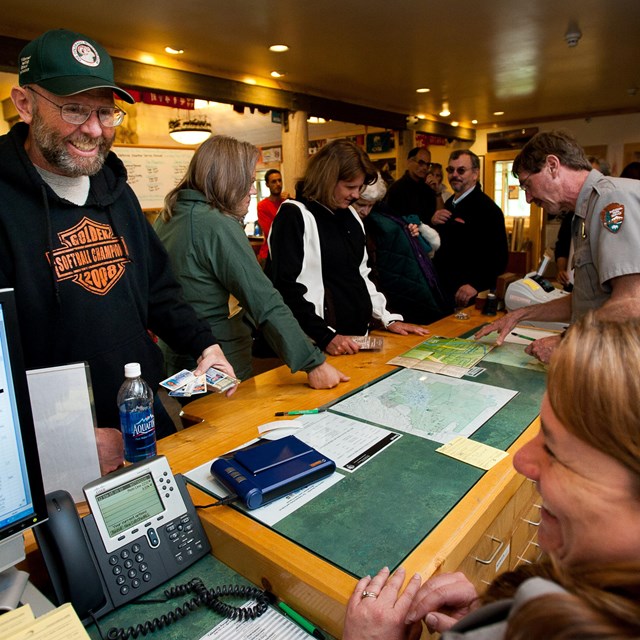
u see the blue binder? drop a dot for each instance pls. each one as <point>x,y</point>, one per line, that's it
<point>271,469</point>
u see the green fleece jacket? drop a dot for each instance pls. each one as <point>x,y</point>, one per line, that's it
<point>213,260</point>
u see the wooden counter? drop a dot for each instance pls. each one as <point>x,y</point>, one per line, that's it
<point>308,583</point>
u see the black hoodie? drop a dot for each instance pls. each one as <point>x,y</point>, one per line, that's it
<point>89,280</point>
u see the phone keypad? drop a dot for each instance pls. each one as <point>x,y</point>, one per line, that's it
<point>129,568</point>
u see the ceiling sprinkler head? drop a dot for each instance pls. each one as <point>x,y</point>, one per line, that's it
<point>573,35</point>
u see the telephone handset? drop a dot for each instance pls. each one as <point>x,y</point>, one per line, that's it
<point>142,530</point>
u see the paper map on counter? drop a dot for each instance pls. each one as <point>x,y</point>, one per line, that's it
<point>511,353</point>
<point>448,356</point>
<point>426,405</point>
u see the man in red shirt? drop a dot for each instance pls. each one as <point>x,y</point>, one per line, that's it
<point>268,208</point>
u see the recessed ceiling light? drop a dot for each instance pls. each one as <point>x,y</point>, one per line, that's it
<point>423,90</point>
<point>421,116</point>
<point>278,48</point>
<point>249,81</point>
<point>474,122</point>
<point>498,113</point>
<point>445,110</point>
<point>174,52</point>
<point>454,123</point>
<point>316,120</point>
<point>276,74</point>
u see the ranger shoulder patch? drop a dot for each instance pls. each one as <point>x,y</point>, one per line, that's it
<point>612,217</point>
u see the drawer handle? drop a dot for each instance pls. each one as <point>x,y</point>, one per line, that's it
<point>531,522</point>
<point>494,554</point>
<point>522,557</point>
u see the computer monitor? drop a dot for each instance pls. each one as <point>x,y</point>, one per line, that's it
<point>22,497</point>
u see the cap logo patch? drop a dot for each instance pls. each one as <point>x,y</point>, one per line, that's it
<point>24,64</point>
<point>612,217</point>
<point>85,53</point>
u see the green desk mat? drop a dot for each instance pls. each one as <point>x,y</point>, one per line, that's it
<point>376,516</point>
<point>196,624</point>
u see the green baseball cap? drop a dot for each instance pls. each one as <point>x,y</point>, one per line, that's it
<point>65,63</point>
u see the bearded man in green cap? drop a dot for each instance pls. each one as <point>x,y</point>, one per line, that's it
<point>91,278</point>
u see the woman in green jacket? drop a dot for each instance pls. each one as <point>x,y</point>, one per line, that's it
<point>201,226</point>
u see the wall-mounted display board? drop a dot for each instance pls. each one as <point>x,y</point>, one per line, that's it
<point>153,171</point>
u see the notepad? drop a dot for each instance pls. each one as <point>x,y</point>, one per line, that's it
<point>472,452</point>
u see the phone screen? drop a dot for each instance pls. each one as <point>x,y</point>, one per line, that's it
<point>129,504</point>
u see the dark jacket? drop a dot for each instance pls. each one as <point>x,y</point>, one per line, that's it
<point>474,245</point>
<point>89,280</point>
<point>407,197</point>
<point>401,267</point>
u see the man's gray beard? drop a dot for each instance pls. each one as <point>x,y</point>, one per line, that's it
<point>52,147</point>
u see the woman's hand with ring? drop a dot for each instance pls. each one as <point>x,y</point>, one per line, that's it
<point>377,610</point>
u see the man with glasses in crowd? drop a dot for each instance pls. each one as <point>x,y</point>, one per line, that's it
<point>556,175</point>
<point>90,275</point>
<point>415,193</point>
<point>473,250</point>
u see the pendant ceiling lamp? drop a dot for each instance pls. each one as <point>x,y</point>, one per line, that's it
<point>191,132</point>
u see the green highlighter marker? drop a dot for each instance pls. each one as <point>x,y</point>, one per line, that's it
<point>299,620</point>
<point>301,412</point>
<point>520,335</point>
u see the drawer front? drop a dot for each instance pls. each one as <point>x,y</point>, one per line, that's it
<point>497,550</point>
<point>524,542</point>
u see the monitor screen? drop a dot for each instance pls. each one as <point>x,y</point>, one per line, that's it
<point>22,499</point>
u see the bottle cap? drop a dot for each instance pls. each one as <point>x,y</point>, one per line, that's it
<point>132,370</point>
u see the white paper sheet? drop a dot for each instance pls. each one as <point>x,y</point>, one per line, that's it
<point>349,443</point>
<point>269,626</point>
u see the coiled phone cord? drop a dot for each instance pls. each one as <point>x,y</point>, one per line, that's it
<point>209,597</point>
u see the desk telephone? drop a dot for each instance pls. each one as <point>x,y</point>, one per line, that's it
<point>142,530</point>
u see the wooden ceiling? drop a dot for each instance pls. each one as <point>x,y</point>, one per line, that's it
<point>479,56</point>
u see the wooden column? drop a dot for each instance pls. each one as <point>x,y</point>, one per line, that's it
<point>404,143</point>
<point>295,149</point>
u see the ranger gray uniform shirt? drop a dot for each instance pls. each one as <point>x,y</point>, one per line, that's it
<point>606,238</point>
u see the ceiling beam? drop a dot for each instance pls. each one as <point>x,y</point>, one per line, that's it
<point>196,85</point>
<point>137,75</point>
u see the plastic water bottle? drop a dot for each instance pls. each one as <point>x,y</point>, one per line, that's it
<point>135,401</point>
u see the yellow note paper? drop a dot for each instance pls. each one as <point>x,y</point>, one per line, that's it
<point>473,453</point>
<point>60,624</point>
<point>16,620</point>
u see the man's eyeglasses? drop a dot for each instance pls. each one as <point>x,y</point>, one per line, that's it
<point>459,170</point>
<point>79,113</point>
<point>423,163</point>
<point>523,183</point>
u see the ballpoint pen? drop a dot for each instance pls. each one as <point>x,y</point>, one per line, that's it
<point>298,619</point>
<point>519,335</point>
